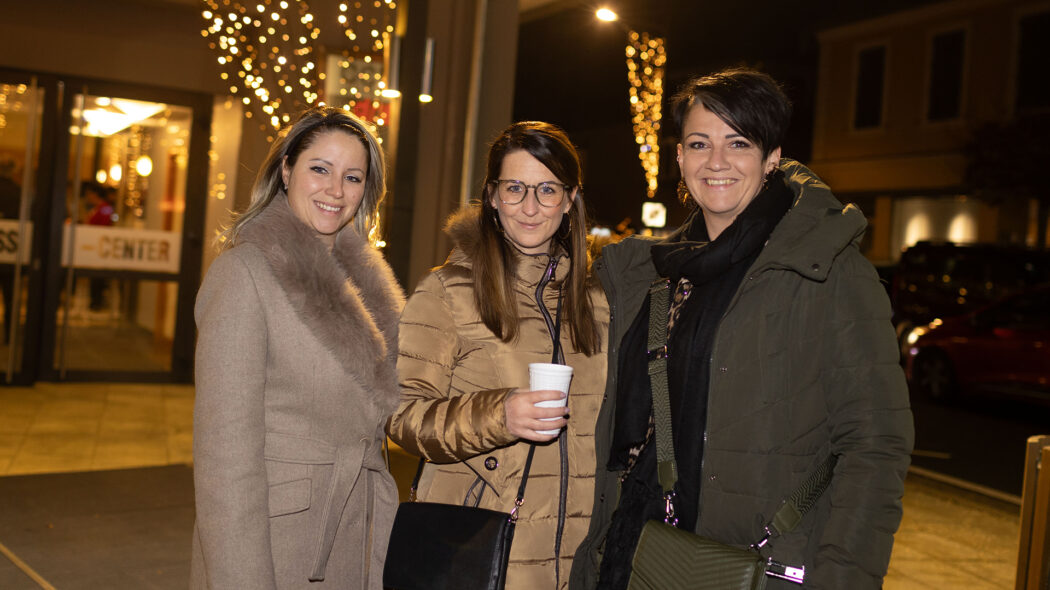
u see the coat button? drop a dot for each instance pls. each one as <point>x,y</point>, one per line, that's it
<point>723,369</point>
<point>491,463</point>
<point>815,266</point>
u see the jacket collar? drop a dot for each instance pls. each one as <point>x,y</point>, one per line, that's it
<point>348,297</point>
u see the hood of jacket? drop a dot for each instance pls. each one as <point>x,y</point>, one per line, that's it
<point>348,296</point>
<point>814,231</point>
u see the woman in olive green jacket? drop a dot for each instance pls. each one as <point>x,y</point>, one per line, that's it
<point>801,361</point>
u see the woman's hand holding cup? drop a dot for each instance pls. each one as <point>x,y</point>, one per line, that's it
<point>532,422</point>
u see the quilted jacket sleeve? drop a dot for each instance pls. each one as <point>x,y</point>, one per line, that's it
<point>232,497</point>
<point>871,431</point>
<point>441,418</point>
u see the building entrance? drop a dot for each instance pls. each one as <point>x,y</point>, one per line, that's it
<point>100,236</point>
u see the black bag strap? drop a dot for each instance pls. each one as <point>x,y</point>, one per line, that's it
<point>791,510</point>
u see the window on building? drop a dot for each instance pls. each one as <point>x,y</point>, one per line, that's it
<point>1032,48</point>
<point>947,56</point>
<point>871,73</point>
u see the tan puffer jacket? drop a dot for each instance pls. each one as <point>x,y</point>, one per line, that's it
<point>455,375</point>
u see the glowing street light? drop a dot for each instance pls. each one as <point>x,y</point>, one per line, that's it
<point>606,15</point>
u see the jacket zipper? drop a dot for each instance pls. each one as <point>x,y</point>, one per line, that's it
<point>563,449</point>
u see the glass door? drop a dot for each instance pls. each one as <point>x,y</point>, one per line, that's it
<point>21,105</point>
<point>122,292</point>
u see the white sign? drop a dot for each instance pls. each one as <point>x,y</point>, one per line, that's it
<point>9,241</point>
<point>654,214</point>
<point>121,248</point>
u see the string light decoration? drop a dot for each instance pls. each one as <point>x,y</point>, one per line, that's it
<point>645,74</point>
<point>13,98</point>
<point>271,55</point>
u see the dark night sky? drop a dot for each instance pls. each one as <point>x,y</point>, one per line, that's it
<point>572,71</point>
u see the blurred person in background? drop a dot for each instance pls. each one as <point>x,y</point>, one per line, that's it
<point>100,212</point>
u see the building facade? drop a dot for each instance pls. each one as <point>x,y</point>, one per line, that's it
<point>900,101</point>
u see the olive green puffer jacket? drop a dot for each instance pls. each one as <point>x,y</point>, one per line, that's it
<point>804,364</point>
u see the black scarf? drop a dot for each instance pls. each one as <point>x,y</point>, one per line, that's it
<point>715,269</point>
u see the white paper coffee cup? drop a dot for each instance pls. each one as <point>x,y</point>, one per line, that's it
<point>548,376</point>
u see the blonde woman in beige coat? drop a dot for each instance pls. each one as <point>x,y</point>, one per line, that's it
<point>468,334</point>
<point>295,374</point>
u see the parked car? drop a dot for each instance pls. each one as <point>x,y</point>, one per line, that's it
<point>1000,349</point>
<point>939,280</point>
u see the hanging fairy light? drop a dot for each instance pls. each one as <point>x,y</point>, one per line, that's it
<point>645,74</point>
<point>270,56</point>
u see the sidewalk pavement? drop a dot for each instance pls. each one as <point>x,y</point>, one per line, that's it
<point>949,537</point>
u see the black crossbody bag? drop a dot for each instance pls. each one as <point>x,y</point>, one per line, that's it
<point>444,546</point>
<point>668,558</point>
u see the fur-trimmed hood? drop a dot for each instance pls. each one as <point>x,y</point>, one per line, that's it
<point>348,296</point>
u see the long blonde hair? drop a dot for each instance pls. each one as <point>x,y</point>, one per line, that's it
<point>300,135</point>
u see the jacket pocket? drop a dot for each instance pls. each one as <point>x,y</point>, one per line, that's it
<point>289,497</point>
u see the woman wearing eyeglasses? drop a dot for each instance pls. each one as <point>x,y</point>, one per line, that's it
<point>516,280</point>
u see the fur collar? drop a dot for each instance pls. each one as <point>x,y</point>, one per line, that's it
<point>348,297</point>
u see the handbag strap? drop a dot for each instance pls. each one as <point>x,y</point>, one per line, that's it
<point>793,508</point>
<point>656,353</point>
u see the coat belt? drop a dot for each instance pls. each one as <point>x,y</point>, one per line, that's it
<point>348,460</point>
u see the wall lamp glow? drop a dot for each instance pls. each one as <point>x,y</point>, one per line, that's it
<point>428,72</point>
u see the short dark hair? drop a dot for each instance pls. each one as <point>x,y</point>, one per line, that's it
<point>749,101</point>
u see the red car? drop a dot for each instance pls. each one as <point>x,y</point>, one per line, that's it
<point>1002,349</point>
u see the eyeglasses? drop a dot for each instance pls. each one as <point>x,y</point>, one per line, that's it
<point>548,194</point>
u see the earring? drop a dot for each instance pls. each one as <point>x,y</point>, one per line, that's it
<point>683,192</point>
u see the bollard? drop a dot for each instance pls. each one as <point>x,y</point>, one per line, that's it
<point>1033,554</point>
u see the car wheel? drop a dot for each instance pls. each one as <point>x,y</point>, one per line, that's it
<point>933,375</point>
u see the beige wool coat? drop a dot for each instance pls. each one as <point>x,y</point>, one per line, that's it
<point>455,375</point>
<point>295,379</point>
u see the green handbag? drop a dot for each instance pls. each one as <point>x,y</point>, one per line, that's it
<point>668,558</point>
